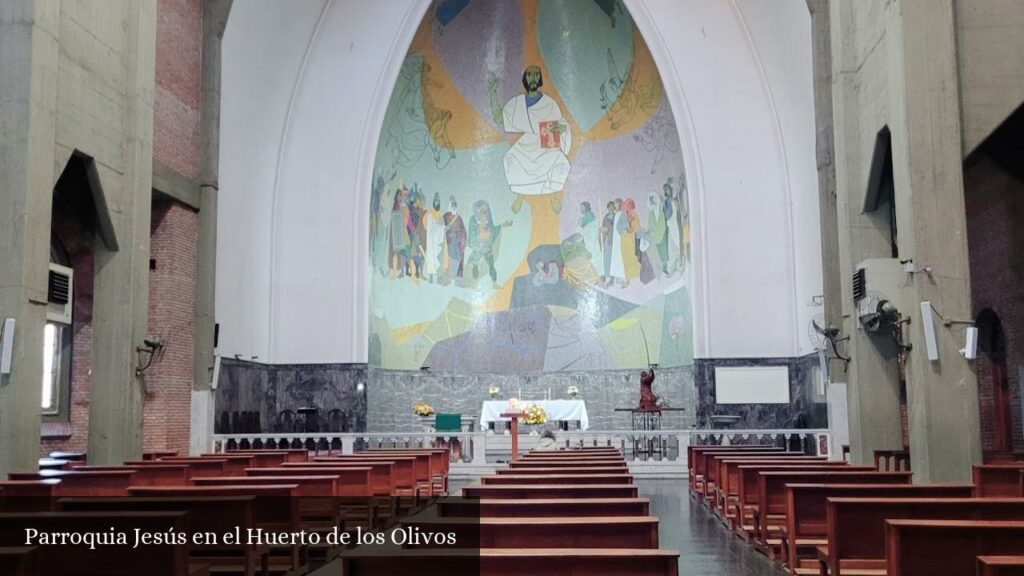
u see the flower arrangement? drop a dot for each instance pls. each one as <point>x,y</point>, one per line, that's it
<point>534,415</point>
<point>494,391</point>
<point>422,409</point>
<point>573,392</point>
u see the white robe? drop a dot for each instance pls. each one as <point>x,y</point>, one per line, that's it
<point>435,242</point>
<point>529,168</point>
<point>618,267</point>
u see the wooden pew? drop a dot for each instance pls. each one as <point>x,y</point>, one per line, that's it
<point>726,492</point>
<point>234,465</point>
<point>19,560</point>
<point>80,483</point>
<point>158,454</point>
<point>460,507</point>
<point>276,509</point>
<point>318,495</point>
<point>440,462</point>
<point>856,526</point>
<point>291,454</point>
<point>382,473</point>
<point>74,457</point>
<point>748,499</point>
<point>1001,565</point>
<point>947,547</point>
<point>155,475</point>
<point>53,464</point>
<point>381,561</point>
<point>717,461</point>
<point>563,470</point>
<point>771,488</point>
<point>422,471</point>
<point>547,491</point>
<point>1001,457</point>
<point>527,465</point>
<point>806,532</point>
<point>198,467</point>
<point>266,459</point>
<point>376,505</point>
<point>697,463</point>
<point>115,560</point>
<point>710,458</point>
<point>404,469</point>
<point>637,532</point>
<point>219,514</point>
<point>994,480</point>
<point>521,479</point>
<point>28,495</point>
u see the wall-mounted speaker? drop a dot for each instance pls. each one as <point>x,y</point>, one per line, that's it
<point>928,325</point>
<point>6,345</point>
<point>970,350</point>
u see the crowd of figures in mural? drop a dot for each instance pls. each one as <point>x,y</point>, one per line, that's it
<point>434,243</point>
<point>526,208</point>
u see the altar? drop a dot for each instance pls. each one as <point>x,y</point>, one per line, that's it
<point>557,411</point>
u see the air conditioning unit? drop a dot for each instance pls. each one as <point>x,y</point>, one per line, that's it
<point>877,290</point>
<point>60,294</point>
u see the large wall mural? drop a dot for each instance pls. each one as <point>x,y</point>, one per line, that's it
<point>529,206</point>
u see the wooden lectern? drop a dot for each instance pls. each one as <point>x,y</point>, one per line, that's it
<point>514,417</point>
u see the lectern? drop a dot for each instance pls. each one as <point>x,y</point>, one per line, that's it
<point>514,418</point>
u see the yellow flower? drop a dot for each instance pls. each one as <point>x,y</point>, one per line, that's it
<point>535,415</point>
<point>422,409</point>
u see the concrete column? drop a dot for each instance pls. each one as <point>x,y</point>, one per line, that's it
<point>28,87</point>
<point>215,17</point>
<point>945,436</point>
<point>121,288</point>
<point>821,40</point>
<point>873,378</point>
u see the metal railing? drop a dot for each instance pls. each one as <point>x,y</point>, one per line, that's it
<point>664,448</point>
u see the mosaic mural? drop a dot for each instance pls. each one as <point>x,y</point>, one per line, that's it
<point>529,206</point>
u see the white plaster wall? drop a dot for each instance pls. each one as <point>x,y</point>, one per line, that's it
<point>297,158</point>
<point>264,45</point>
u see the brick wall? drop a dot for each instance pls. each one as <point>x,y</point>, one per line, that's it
<point>176,121</point>
<point>172,287</point>
<point>995,234</point>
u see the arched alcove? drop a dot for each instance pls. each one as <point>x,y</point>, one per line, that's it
<point>529,209</point>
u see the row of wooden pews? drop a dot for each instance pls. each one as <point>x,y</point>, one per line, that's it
<point>276,491</point>
<point>562,512</point>
<point>814,516</point>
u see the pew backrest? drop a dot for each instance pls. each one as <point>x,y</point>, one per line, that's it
<point>947,547</point>
<point>856,526</point>
<point>994,480</point>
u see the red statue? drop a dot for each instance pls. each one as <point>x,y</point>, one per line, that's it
<point>648,401</point>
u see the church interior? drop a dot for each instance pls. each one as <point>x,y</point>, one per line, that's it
<point>512,287</point>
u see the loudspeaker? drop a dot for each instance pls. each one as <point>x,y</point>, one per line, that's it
<point>216,372</point>
<point>6,345</point>
<point>928,325</point>
<point>971,343</point>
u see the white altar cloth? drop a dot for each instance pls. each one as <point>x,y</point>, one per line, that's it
<point>557,410</point>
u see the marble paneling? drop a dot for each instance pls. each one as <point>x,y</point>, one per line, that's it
<point>806,409</point>
<point>269,396</point>
<point>392,393</point>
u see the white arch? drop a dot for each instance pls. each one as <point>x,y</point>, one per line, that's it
<point>738,154</point>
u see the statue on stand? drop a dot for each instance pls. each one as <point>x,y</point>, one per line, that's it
<point>648,400</point>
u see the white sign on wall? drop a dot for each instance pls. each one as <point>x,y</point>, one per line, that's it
<point>752,385</point>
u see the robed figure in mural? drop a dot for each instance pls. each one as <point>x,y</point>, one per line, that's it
<point>538,163</point>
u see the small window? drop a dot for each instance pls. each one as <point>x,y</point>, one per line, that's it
<point>51,367</point>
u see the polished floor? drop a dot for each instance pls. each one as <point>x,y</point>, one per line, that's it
<point>705,547</point>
